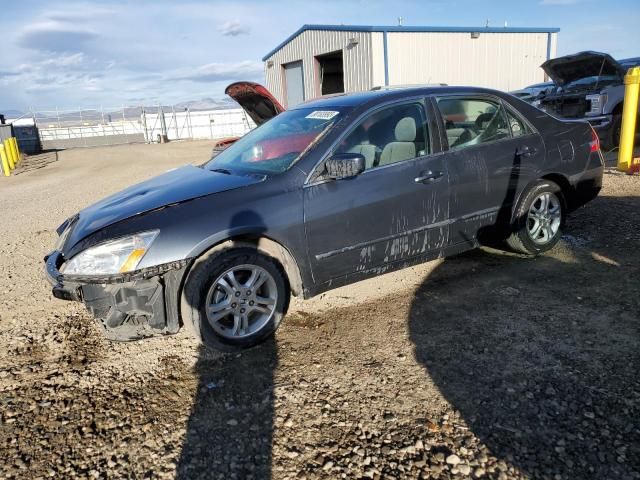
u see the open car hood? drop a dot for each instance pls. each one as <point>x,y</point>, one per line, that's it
<point>569,68</point>
<point>256,100</point>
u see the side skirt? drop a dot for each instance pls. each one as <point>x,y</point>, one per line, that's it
<point>391,267</point>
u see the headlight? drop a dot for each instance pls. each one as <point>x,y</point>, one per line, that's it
<point>597,103</point>
<point>116,256</point>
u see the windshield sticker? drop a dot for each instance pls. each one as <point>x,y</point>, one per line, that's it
<point>322,114</point>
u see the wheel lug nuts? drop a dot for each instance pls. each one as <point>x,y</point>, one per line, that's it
<point>251,303</point>
<point>242,310</point>
<point>234,305</point>
<point>248,292</point>
<point>237,294</point>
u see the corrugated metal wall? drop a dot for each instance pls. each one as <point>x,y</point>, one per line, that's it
<point>377,58</point>
<point>505,61</point>
<point>309,44</point>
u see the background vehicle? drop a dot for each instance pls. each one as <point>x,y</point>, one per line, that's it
<point>385,179</point>
<point>256,100</point>
<point>590,87</point>
<point>530,93</point>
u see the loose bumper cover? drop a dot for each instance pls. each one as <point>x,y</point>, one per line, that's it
<point>128,306</point>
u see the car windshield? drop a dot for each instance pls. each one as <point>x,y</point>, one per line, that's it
<point>276,145</point>
<point>588,81</point>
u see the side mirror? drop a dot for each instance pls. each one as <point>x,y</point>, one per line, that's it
<point>345,165</point>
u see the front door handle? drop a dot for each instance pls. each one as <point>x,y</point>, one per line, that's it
<point>525,151</point>
<point>428,177</point>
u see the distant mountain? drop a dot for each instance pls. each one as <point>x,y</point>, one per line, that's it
<point>95,116</point>
<point>11,113</point>
<point>207,104</point>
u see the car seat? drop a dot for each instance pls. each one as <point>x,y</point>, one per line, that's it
<point>404,147</point>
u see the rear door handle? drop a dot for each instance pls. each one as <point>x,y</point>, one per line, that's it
<point>428,177</point>
<point>525,151</point>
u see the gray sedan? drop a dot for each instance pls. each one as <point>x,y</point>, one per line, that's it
<point>325,194</point>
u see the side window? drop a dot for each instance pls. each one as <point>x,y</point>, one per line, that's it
<point>472,121</point>
<point>518,127</point>
<point>390,135</point>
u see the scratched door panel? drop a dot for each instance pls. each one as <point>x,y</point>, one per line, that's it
<point>484,182</point>
<point>379,217</point>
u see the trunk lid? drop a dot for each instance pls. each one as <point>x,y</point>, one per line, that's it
<point>256,100</point>
<point>570,68</point>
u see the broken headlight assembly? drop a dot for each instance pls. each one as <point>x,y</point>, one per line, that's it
<point>115,256</point>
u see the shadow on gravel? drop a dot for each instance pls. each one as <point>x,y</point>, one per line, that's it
<point>541,355</point>
<point>230,430</point>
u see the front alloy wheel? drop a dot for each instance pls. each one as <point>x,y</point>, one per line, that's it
<point>234,298</point>
<point>241,301</point>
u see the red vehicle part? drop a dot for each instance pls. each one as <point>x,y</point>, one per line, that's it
<point>256,100</point>
<point>279,147</point>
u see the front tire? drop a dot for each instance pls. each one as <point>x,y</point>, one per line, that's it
<point>234,299</point>
<point>616,129</point>
<point>539,219</point>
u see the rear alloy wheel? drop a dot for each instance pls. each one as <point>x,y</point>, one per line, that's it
<point>540,217</point>
<point>234,298</point>
<point>544,218</point>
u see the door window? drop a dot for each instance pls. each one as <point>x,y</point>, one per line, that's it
<point>472,121</point>
<point>389,135</point>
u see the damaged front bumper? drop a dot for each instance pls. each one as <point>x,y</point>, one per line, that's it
<point>128,306</point>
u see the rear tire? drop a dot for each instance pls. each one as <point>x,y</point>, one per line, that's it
<point>539,219</point>
<point>234,299</point>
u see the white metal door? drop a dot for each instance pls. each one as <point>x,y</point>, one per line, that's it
<point>294,83</point>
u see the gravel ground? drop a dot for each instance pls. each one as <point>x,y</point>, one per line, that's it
<point>484,365</point>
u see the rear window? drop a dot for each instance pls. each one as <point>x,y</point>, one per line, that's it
<point>277,144</point>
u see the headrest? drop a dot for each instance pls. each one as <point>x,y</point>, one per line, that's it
<point>406,130</point>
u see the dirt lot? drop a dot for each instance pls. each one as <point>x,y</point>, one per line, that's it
<point>486,365</point>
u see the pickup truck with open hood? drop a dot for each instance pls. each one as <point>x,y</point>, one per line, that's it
<point>589,86</point>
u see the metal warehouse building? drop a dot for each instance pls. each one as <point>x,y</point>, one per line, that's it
<point>322,59</point>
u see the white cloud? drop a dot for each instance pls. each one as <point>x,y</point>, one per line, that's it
<point>233,29</point>
<point>216,72</point>
<point>55,36</point>
<point>64,60</point>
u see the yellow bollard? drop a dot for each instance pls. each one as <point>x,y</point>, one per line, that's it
<point>9,152</point>
<point>5,161</point>
<point>16,151</point>
<point>629,115</point>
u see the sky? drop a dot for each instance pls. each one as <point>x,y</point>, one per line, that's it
<point>80,54</point>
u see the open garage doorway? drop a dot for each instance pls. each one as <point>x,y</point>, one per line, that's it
<point>331,73</point>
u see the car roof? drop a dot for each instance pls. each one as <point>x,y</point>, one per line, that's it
<point>380,96</point>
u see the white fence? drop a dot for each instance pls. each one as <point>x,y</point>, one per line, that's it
<point>213,124</point>
<point>91,127</point>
